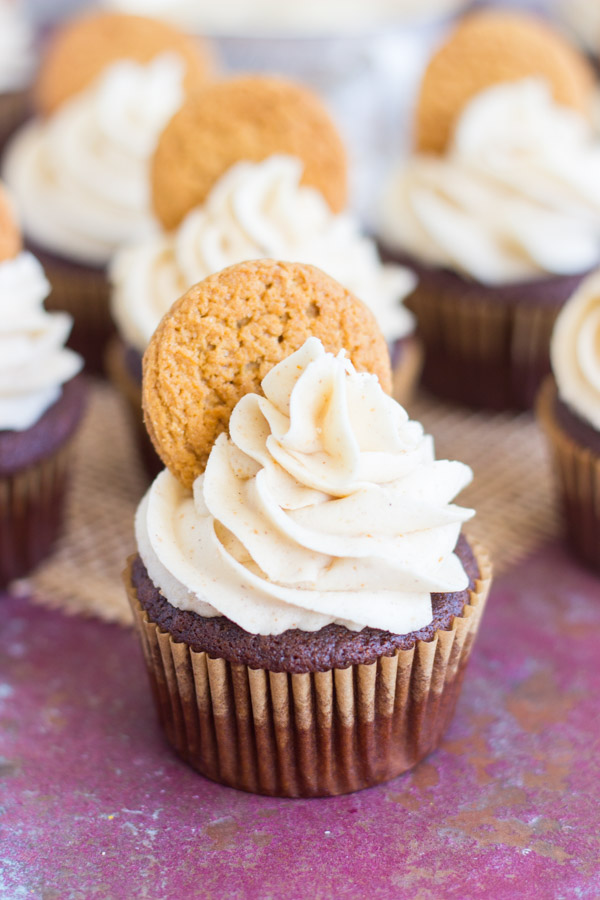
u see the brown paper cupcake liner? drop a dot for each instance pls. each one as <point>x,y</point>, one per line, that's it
<point>31,513</point>
<point>578,473</point>
<point>14,109</point>
<point>407,359</point>
<point>308,735</point>
<point>84,292</point>
<point>131,392</point>
<point>481,352</point>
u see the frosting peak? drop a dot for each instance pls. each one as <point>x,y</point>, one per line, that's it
<point>34,362</point>
<point>324,504</point>
<point>255,211</point>
<point>516,196</point>
<point>82,177</point>
<point>575,351</point>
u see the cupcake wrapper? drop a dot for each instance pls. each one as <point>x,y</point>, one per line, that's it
<point>131,391</point>
<point>407,361</point>
<point>578,473</point>
<point>14,108</point>
<point>31,513</point>
<point>308,735</point>
<point>84,292</point>
<point>481,351</point>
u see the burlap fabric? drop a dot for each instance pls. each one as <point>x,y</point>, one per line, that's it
<point>512,492</point>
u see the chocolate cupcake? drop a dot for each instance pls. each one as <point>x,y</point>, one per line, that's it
<point>569,411</point>
<point>80,169</point>
<point>494,210</point>
<point>305,602</point>
<point>269,201</point>
<point>41,403</point>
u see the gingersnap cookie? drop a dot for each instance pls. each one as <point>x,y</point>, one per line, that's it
<point>11,242</point>
<point>221,338</point>
<point>84,47</point>
<point>248,118</point>
<point>488,48</point>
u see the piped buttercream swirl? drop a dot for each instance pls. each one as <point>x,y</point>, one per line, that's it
<point>575,351</point>
<point>516,196</point>
<point>34,363</point>
<point>256,210</point>
<point>82,177</point>
<point>324,504</point>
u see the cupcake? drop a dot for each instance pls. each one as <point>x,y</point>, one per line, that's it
<point>291,651</point>
<point>498,209</point>
<point>278,191</point>
<point>16,66</point>
<point>41,403</point>
<point>79,170</point>
<point>569,411</point>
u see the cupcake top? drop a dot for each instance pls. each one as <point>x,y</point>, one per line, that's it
<point>515,196</point>
<point>81,50</point>
<point>323,504</point>
<point>248,118</point>
<point>16,47</point>
<point>34,363</point>
<point>81,177</point>
<point>575,352</point>
<point>221,338</point>
<point>502,186</point>
<point>255,210</point>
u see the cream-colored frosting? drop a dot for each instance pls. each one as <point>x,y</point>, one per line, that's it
<point>81,178</point>
<point>516,196</point>
<point>276,17</point>
<point>324,504</point>
<point>34,362</point>
<point>575,351</point>
<point>16,47</point>
<point>256,210</point>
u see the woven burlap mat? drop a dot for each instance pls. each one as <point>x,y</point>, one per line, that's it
<point>512,493</point>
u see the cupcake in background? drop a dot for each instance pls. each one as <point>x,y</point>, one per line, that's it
<point>569,411</point>
<point>498,209</point>
<point>41,404</point>
<point>80,170</point>
<point>303,595</point>
<point>16,67</point>
<point>582,18</point>
<point>233,184</point>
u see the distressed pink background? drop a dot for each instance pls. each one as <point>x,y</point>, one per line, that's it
<point>94,804</point>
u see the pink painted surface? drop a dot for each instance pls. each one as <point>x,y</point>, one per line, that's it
<point>94,805</point>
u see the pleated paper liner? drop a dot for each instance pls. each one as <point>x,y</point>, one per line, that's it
<point>131,392</point>
<point>14,109</point>
<point>31,513</point>
<point>84,292</point>
<point>308,735</point>
<point>511,491</point>
<point>481,348</point>
<point>577,470</point>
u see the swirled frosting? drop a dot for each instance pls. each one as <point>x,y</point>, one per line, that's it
<point>256,210</point>
<point>324,504</point>
<point>81,178</point>
<point>575,351</point>
<point>516,196</point>
<point>16,47</point>
<point>34,362</point>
